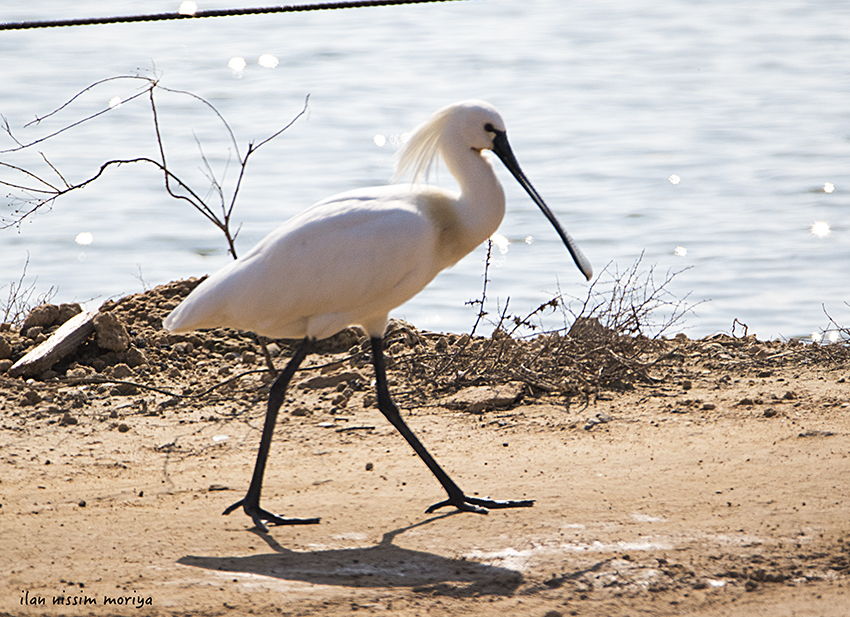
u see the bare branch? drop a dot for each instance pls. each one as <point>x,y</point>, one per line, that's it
<point>244,162</point>
<point>480,303</point>
<point>56,192</point>
<point>35,191</point>
<point>24,146</point>
<point>212,108</point>
<point>151,84</point>
<point>50,188</point>
<point>8,130</point>
<point>291,122</point>
<point>56,171</point>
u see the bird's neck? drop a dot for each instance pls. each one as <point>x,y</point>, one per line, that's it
<point>482,201</point>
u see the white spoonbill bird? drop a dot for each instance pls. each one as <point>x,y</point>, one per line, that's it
<point>352,258</point>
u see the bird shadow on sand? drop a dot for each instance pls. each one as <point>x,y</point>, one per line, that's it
<point>382,565</point>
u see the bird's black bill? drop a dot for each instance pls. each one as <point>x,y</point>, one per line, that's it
<point>504,152</point>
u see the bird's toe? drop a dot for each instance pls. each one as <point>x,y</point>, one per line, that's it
<point>479,506</point>
<point>259,515</point>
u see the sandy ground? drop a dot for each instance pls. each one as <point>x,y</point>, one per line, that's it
<point>719,488</point>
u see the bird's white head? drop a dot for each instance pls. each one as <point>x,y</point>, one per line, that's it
<point>471,124</point>
<point>476,123</point>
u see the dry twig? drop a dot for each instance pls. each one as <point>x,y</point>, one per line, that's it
<point>33,191</point>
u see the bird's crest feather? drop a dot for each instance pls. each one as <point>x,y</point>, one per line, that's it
<point>421,152</point>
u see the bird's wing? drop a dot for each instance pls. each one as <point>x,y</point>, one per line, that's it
<point>346,260</point>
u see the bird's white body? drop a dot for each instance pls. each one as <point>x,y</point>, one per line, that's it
<point>352,258</point>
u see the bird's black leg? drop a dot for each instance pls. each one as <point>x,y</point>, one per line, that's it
<point>390,411</point>
<point>251,502</point>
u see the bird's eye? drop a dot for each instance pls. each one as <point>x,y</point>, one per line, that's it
<point>489,128</point>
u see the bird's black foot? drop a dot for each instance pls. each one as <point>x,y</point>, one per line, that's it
<point>258,515</point>
<point>479,506</point>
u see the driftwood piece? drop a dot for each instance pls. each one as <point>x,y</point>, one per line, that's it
<point>64,341</point>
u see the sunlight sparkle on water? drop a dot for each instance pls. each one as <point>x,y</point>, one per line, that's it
<point>828,187</point>
<point>188,8</point>
<point>826,337</point>
<point>680,251</point>
<point>395,141</point>
<point>84,238</point>
<point>268,61</point>
<point>115,102</point>
<point>529,239</point>
<point>674,179</point>
<point>821,229</point>
<point>237,63</point>
<point>399,140</point>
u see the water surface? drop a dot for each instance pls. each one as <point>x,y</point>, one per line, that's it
<point>707,137</point>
